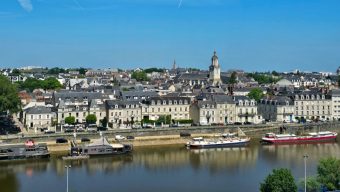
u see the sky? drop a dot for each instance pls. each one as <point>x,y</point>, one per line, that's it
<point>253,35</point>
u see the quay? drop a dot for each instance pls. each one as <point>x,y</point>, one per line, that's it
<point>169,136</point>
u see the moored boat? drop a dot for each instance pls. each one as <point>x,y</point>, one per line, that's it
<point>101,147</point>
<point>28,150</point>
<point>199,142</point>
<point>273,138</point>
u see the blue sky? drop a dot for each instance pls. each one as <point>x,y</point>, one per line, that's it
<point>254,35</point>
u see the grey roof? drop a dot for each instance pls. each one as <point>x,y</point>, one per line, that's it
<point>38,110</point>
<point>335,92</point>
<point>137,95</point>
<point>223,99</point>
<point>79,96</point>
<point>111,104</point>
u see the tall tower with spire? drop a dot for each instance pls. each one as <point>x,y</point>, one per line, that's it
<point>215,71</point>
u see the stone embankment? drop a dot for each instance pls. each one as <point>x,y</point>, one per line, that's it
<point>169,136</point>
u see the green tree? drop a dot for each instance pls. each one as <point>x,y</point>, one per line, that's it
<point>56,71</point>
<point>139,76</point>
<point>329,173</point>
<point>166,119</point>
<point>104,122</point>
<point>70,120</point>
<point>232,79</point>
<point>91,119</point>
<point>281,180</point>
<point>15,72</point>
<point>312,184</point>
<point>150,70</point>
<point>275,73</point>
<point>51,83</point>
<point>255,93</point>
<point>9,99</point>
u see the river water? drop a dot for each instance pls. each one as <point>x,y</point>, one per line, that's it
<point>166,169</point>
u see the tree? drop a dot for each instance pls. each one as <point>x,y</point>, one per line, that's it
<point>51,83</point>
<point>16,72</point>
<point>312,184</point>
<point>329,173</point>
<point>70,120</point>
<point>139,76</point>
<point>9,99</point>
<point>91,119</point>
<point>281,180</point>
<point>56,71</point>
<point>232,79</point>
<point>275,73</point>
<point>104,122</point>
<point>255,93</point>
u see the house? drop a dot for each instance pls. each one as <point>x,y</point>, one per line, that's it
<point>39,117</point>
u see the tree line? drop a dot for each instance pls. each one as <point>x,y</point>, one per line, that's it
<point>30,84</point>
<point>327,179</point>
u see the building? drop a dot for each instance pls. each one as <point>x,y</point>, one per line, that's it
<point>213,109</point>
<point>123,113</point>
<point>215,71</point>
<point>312,105</point>
<point>279,109</point>
<point>246,110</point>
<point>97,108</point>
<point>39,117</point>
<point>335,94</point>
<point>176,107</point>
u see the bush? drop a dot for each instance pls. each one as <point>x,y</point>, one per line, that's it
<point>281,180</point>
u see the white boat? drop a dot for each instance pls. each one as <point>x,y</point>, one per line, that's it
<point>199,142</point>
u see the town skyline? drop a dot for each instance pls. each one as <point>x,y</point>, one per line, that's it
<point>259,36</point>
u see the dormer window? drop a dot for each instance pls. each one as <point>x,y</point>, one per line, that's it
<point>323,96</point>
<point>158,102</point>
<point>170,102</point>
<point>208,105</point>
<point>180,102</point>
<point>116,106</point>
<point>175,102</point>
<point>302,97</point>
<point>307,96</point>
<point>127,106</point>
<point>203,106</point>
<point>152,102</point>
<point>164,102</point>
<point>185,102</point>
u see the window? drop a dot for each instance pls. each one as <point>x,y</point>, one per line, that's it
<point>49,116</point>
<point>39,116</point>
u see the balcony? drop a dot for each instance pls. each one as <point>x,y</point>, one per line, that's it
<point>246,114</point>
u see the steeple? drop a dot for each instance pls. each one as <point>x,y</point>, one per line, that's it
<point>215,72</point>
<point>174,65</point>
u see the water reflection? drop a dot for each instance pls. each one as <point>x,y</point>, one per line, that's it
<point>154,167</point>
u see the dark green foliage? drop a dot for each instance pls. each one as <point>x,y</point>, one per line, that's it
<point>9,99</point>
<point>70,120</point>
<point>232,79</point>
<point>275,73</point>
<point>56,71</point>
<point>91,119</point>
<point>150,70</point>
<point>256,94</point>
<point>32,83</point>
<point>281,180</point>
<point>312,184</point>
<point>263,78</point>
<point>15,72</point>
<point>104,122</point>
<point>184,121</point>
<point>329,173</point>
<point>139,76</point>
<point>165,119</point>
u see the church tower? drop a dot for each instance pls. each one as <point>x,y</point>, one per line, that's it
<point>215,71</point>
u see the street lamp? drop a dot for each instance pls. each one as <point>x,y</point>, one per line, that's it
<point>305,161</point>
<point>67,167</point>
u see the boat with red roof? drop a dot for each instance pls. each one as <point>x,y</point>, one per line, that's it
<point>273,138</point>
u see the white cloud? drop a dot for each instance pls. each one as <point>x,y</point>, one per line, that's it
<point>26,4</point>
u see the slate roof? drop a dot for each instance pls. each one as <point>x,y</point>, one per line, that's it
<point>38,110</point>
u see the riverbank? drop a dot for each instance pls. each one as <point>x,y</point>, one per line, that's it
<point>171,136</point>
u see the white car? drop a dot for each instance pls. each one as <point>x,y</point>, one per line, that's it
<point>120,137</point>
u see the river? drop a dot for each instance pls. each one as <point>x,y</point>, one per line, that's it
<point>166,169</point>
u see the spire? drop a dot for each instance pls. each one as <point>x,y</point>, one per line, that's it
<point>174,65</point>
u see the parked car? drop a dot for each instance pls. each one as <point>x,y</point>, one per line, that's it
<point>184,134</point>
<point>49,132</point>
<point>247,123</point>
<point>130,137</point>
<point>61,140</point>
<point>147,126</point>
<point>80,129</point>
<point>237,123</point>
<point>84,139</point>
<point>68,130</point>
<point>120,137</point>
<point>102,129</point>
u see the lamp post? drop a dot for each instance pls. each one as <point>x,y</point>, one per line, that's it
<point>208,117</point>
<point>67,167</point>
<point>305,161</point>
